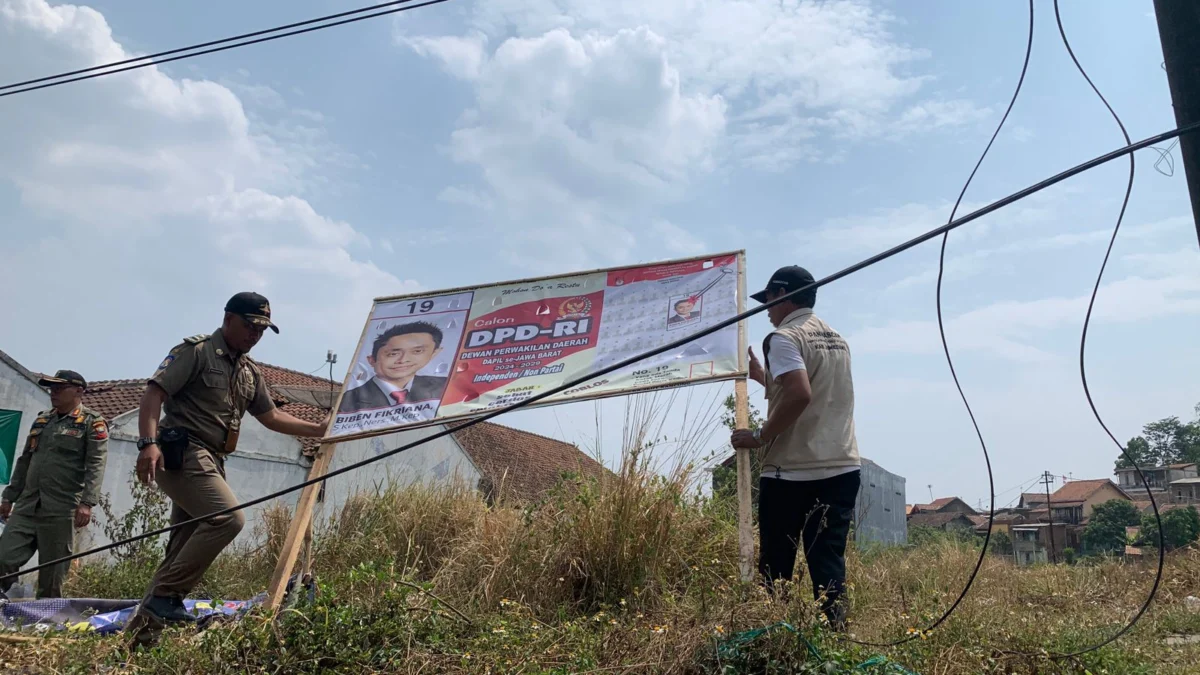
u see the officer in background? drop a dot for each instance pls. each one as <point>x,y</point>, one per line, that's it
<point>54,485</point>
<point>202,389</point>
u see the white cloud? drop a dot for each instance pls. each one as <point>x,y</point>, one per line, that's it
<point>576,137</point>
<point>1011,330</point>
<point>462,57</point>
<point>465,196</point>
<point>677,240</point>
<point>166,187</point>
<point>788,65</point>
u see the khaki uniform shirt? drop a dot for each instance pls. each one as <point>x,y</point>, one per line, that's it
<point>209,389</point>
<point>62,465</point>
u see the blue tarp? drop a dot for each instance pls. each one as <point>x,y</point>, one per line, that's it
<point>97,615</point>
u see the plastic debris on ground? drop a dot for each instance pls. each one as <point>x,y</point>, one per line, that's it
<point>99,616</point>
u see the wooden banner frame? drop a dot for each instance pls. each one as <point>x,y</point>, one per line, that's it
<point>299,535</point>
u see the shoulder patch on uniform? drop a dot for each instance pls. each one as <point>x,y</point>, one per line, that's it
<point>100,430</point>
<point>166,361</point>
<point>196,339</point>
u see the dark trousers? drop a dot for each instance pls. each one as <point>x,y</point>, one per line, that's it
<point>818,514</point>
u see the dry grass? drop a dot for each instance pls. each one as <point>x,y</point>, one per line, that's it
<point>634,575</point>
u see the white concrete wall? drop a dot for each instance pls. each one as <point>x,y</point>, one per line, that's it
<point>266,461</point>
<point>441,460</point>
<point>18,393</point>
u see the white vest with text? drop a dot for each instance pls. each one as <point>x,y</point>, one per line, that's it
<point>823,436</point>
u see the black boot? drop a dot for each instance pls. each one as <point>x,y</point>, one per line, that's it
<point>169,610</point>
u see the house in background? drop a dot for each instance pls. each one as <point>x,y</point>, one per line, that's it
<point>21,399</point>
<point>1074,502</point>
<point>1159,479</point>
<point>944,505</point>
<point>1033,500</point>
<point>949,521</point>
<point>500,462</point>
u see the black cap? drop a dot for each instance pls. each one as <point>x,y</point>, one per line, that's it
<point>64,377</point>
<point>252,307</point>
<point>788,279</point>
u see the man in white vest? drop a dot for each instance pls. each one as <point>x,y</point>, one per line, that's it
<point>810,465</point>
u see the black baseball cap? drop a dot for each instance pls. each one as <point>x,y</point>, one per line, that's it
<point>64,377</point>
<point>790,278</point>
<point>253,308</point>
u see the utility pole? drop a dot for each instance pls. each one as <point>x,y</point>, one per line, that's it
<point>1179,32</point>
<point>1048,479</point>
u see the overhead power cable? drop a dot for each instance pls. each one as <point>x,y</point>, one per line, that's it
<point>214,46</point>
<point>983,549</point>
<point>1083,350</point>
<point>633,360</point>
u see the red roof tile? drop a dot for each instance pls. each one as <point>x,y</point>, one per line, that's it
<point>115,397</point>
<point>1078,491</point>
<point>523,465</point>
<point>940,503</point>
<point>940,519</point>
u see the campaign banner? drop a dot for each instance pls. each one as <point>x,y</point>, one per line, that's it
<point>453,354</point>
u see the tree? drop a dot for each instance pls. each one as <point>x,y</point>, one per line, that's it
<point>1167,441</point>
<point>1180,527</point>
<point>1105,532</point>
<point>1001,543</point>
<point>1138,448</point>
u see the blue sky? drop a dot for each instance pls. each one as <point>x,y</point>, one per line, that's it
<point>478,142</point>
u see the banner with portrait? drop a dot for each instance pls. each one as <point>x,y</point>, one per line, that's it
<point>441,356</point>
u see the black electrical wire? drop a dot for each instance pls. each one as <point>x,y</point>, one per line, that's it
<point>1162,555</point>
<point>633,360</point>
<point>202,45</point>
<point>226,44</point>
<point>983,551</point>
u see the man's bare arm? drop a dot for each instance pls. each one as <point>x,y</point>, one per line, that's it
<point>281,422</point>
<point>150,459</point>
<point>150,410</point>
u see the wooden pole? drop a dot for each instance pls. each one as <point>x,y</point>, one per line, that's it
<point>299,528</point>
<point>741,414</point>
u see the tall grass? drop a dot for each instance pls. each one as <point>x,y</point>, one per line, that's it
<point>636,573</point>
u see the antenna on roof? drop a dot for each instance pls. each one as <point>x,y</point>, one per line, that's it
<point>930,492</point>
<point>330,357</point>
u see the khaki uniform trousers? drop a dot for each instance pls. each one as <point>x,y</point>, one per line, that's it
<point>197,488</point>
<point>50,536</point>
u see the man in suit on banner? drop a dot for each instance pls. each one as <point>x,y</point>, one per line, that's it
<point>397,355</point>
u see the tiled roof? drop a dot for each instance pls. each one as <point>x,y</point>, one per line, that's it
<point>1078,491</point>
<point>114,397</point>
<point>520,464</point>
<point>1033,497</point>
<point>938,504</point>
<point>525,464</point>
<point>939,519</point>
